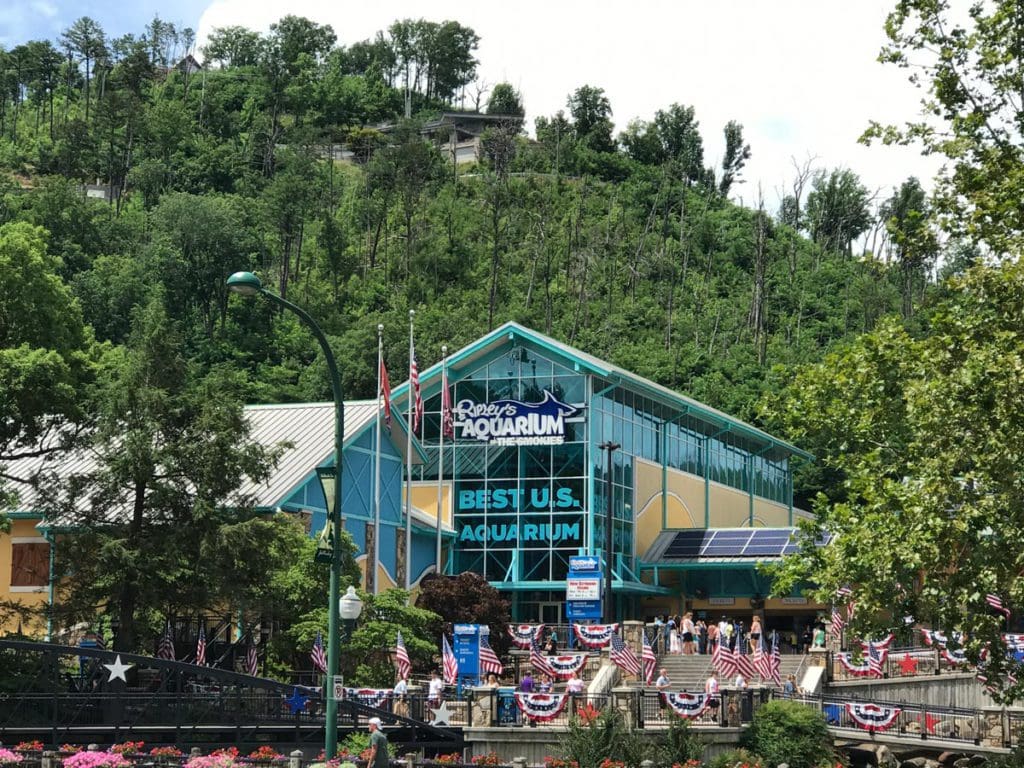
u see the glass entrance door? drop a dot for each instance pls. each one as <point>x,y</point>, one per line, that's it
<point>550,613</point>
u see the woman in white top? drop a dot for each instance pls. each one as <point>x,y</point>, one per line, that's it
<point>740,681</point>
<point>574,684</point>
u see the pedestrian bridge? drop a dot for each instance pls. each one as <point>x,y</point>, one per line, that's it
<point>65,694</point>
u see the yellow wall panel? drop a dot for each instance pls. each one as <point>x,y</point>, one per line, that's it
<point>689,492</point>
<point>20,529</point>
<point>770,514</point>
<point>729,508</point>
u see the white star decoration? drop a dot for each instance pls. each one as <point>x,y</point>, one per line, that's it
<point>442,715</point>
<point>117,669</point>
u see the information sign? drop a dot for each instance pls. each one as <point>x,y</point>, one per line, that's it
<point>579,610</point>
<point>338,688</point>
<point>583,588</point>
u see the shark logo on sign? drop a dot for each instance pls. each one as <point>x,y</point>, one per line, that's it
<point>511,422</point>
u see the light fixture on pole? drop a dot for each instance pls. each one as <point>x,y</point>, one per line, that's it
<point>350,606</point>
<point>248,284</point>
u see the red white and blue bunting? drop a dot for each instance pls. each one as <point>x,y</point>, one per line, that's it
<point>1015,642</point>
<point>371,697</point>
<point>954,657</point>
<point>523,634</point>
<point>541,706</point>
<point>565,666</point>
<point>879,644</point>
<point>595,635</point>
<point>872,717</point>
<point>935,637</point>
<point>864,668</point>
<point>688,705</point>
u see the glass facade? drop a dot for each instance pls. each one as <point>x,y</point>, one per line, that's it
<point>520,511</point>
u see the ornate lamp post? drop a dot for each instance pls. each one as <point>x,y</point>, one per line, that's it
<point>248,284</point>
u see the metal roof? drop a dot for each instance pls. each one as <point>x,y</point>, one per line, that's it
<point>306,428</point>
<point>510,331</point>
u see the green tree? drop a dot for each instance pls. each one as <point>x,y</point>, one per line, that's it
<point>369,658</point>
<point>86,38</point>
<point>922,434</point>
<point>736,155</point>
<point>592,118</point>
<point>906,216</point>
<point>505,100</point>
<point>171,453</point>
<point>837,210</point>
<point>468,599</point>
<point>789,732</point>
<point>971,70</point>
<point>233,46</point>
<point>43,349</point>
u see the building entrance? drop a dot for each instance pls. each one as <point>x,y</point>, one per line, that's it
<point>550,613</point>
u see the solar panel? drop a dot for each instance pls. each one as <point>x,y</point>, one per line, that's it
<point>735,542</point>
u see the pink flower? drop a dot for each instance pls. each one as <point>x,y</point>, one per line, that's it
<point>96,760</point>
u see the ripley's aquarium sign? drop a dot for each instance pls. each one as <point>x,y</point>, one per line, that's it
<point>511,422</point>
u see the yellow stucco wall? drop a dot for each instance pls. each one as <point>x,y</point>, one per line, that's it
<point>424,498</point>
<point>21,531</point>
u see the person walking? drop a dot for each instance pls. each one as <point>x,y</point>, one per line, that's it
<point>702,636</point>
<point>379,757</point>
<point>755,632</point>
<point>400,697</point>
<point>662,684</point>
<point>674,645</point>
<point>712,636</point>
<point>689,632</point>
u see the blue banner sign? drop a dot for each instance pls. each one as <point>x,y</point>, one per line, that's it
<point>512,422</point>
<point>585,563</point>
<point>554,533</point>
<point>577,610</point>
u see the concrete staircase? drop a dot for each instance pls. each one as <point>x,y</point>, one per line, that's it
<point>688,673</point>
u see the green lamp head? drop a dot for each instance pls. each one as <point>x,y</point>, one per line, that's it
<point>245,283</point>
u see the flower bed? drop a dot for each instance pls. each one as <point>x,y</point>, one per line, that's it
<point>7,757</point>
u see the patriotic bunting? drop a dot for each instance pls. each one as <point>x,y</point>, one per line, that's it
<point>565,666</point>
<point>866,668</point>
<point>595,635</point>
<point>1015,642</point>
<point>523,634</point>
<point>872,717</point>
<point>879,644</point>
<point>688,705</point>
<point>954,657</point>
<point>541,707</point>
<point>371,697</point>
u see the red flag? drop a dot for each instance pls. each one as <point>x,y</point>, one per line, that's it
<point>385,388</point>
<point>447,422</point>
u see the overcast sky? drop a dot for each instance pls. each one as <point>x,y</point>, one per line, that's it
<point>800,75</point>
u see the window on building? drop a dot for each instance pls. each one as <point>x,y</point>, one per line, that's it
<point>30,564</point>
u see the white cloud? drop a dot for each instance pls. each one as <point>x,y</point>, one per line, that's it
<point>801,76</point>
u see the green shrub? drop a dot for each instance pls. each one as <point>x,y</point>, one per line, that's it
<point>735,758</point>
<point>788,732</point>
<point>606,737</point>
<point>679,744</point>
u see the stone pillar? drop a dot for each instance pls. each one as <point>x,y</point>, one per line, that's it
<point>484,709</point>
<point>623,701</point>
<point>518,762</point>
<point>295,759</point>
<point>633,636</point>
<point>50,759</point>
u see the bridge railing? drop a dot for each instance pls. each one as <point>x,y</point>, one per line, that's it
<point>915,661</point>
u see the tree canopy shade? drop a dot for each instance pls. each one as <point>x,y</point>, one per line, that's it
<point>926,435</point>
<point>971,68</point>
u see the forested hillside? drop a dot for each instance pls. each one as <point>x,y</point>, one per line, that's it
<point>628,246</point>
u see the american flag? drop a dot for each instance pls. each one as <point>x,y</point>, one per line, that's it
<point>776,665</point>
<point>489,661</point>
<point>201,647</point>
<point>252,659</point>
<point>876,658</point>
<point>741,660</point>
<point>414,385</point>
<point>449,662</point>
<point>317,654</point>
<point>166,649</point>
<point>837,622</point>
<point>623,655</point>
<point>402,663</point>
<point>385,390</point>
<point>649,659</point>
<point>538,660</point>
<point>762,659</point>
<point>447,422</point>
<point>721,659</point>
<point>996,602</point>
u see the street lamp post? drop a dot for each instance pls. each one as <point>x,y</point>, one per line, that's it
<point>350,606</point>
<point>609,524</point>
<point>248,284</point>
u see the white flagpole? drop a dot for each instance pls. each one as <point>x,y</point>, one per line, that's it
<point>408,463</point>
<point>376,467</point>
<point>440,456</point>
